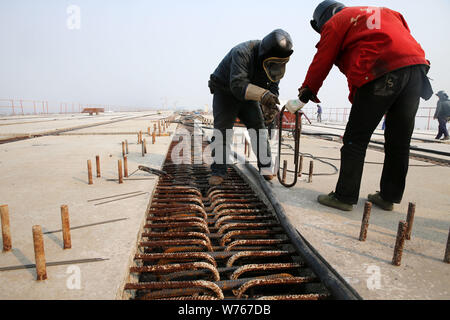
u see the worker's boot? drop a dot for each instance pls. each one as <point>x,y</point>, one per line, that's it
<point>269,177</point>
<point>446,138</point>
<point>216,180</point>
<point>377,200</point>
<point>331,201</point>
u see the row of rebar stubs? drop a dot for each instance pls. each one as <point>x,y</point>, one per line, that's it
<point>203,242</point>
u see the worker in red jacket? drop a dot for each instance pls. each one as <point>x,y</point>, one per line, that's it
<point>387,75</point>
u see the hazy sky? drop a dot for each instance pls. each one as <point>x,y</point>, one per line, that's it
<point>143,53</point>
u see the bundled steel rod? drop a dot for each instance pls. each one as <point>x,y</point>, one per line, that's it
<point>223,241</point>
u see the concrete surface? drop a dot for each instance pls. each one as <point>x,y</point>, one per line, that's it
<point>39,175</point>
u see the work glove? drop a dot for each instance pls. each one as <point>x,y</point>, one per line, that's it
<point>270,113</point>
<point>305,95</point>
<point>270,100</point>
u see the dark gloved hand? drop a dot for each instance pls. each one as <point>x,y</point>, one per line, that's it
<point>269,100</point>
<point>305,94</point>
<point>269,113</point>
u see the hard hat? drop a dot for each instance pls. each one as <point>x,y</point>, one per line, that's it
<point>277,44</point>
<point>324,11</point>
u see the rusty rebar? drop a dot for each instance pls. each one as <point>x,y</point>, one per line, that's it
<point>125,166</point>
<point>119,168</point>
<point>365,221</point>
<point>255,254</point>
<point>89,167</point>
<point>6,228</point>
<point>285,166</point>
<point>177,285</point>
<point>264,267</point>
<point>311,171</point>
<point>126,146</point>
<point>39,253</point>
<point>66,227</point>
<point>410,220</point>
<point>274,282</point>
<point>399,244</point>
<point>97,162</point>
<point>153,137</point>
<point>300,166</point>
<point>123,149</point>
<point>170,268</point>
<point>176,257</point>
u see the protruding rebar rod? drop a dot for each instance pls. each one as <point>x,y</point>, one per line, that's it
<point>119,167</point>
<point>39,253</point>
<point>97,162</point>
<point>311,171</point>
<point>6,228</point>
<point>153,137</point>
<point>285,165</point>
<point>398,251</point>
<point>66,227</point>
<point>145,146</point>
<point>365,221</point>
<point>126,146</point>
<point>447,251</point>
<point>300,167</point>
<point>89,166</point>
<point>410,219</point>
<point>125,166</point>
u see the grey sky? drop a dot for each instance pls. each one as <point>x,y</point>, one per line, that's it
<point>143,53</point>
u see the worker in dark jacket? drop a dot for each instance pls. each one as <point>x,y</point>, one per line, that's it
<point>442,115</point>
<point>386,70</point>
<point>245,86</point>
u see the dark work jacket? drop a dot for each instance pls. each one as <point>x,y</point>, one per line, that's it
<point>443,109</point>
<point>240,67</point>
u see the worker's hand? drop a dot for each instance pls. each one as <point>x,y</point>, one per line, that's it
<point>269,100</point>
<point>305,94</point>
<point>269,113</point>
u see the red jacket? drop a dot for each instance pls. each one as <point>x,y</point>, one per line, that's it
<point>365,43</point>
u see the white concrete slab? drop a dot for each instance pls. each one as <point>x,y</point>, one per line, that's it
<point>38,176</point>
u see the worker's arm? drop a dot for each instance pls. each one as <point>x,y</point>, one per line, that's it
<point>328,49</point>
<point>240,84</point>
<point>239,74</point>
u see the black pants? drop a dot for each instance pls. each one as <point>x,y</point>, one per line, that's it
<point>226,110</point>
<point>442,127</point>
<point>397,95</point>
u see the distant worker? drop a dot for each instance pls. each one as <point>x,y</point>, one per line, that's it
<point>245,86</point>
<point>387,72</point>
<point>442,115</point>
<point>319,113</point>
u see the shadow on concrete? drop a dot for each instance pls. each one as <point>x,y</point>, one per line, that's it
<point>357,252</point>
<point>53,237</point>
<point>424,228</point>
<point>80,180</point>
<point>390,246</point>
<point>24,261</point>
